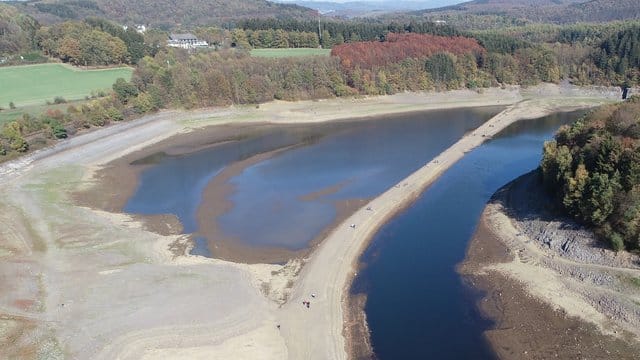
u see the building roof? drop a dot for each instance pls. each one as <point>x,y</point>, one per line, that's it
<point>187,36</point>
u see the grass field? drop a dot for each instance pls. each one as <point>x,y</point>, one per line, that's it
<point>36,84</point>
<point>291,52</point>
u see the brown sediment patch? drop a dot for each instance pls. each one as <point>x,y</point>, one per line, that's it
<point>525,327</point>
<point>215,203</point>
<point>356,330</point>
<point>17,340</point>
<point>323,192</point>
<point>24,304</point>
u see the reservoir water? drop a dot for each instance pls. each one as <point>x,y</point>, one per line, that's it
<point>417,305</point>
<point>290,198</point>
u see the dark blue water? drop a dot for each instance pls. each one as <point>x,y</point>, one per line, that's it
<point>357,163</point>
<point>417,306</point>
<point>301,186</point>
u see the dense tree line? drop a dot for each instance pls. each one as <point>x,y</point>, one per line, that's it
<point>17,31</point>
<point>338,32</point>
<point>584,53</point>
<point>619,56</point>
<point>274,39</point>
<point>133,40</point>
<point>80,44</point>
<point>397,47</point>
<point>500,42</point>
<point>175,78</point>
<point>593,170</point>
<point>459,62</point>
<point>94,41</point>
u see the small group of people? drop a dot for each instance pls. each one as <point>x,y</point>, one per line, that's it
<point>308,303</point>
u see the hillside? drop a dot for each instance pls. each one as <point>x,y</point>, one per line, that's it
<point>162,13</point>
<point>555,11</point>
<point>17,30</point>
<point>364,8</point>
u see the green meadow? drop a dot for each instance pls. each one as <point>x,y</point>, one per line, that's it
<point>290,52</point>
<point>36,84</point>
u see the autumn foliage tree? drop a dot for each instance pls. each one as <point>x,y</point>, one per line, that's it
<point>80,44</point>
<point>397,47</point>
<point>411,62</point>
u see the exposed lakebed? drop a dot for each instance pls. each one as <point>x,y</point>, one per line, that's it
<point>282,187</point>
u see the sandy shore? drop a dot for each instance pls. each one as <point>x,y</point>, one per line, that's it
<point>85,283</point>
<point>580,298</point>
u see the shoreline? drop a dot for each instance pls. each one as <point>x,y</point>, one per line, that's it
<point>241,304</point>
<point>564,318</point>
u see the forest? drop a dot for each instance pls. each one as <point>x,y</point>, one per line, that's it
<point>369,57</point>
<point>338,32</point>
<point>501,13</point>
<point>592,169</point>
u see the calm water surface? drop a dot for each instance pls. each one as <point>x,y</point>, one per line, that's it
<point>289,199</point>
<point>417,306</point>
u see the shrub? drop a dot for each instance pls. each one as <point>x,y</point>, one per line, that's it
<point>124,90</point>
<point>19,144</point>
<point>98,116</point>
<point>114,114</point>
<point>57,130</point>
<point>142,103</point>
<point>59,100</point>
<point>616,241</point>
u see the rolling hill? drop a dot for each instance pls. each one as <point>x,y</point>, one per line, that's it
<point>161,13</point>
<point>554,11</point>
<point>367,8</point>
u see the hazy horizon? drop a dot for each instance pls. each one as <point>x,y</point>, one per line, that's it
<point>429,3</point>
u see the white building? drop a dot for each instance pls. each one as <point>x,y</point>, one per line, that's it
<point>185,41</point>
